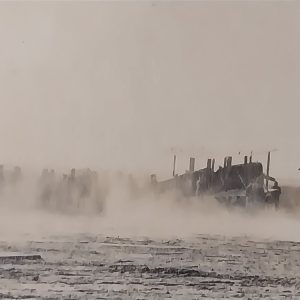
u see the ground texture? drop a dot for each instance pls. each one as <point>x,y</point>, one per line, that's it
<point>99,267</point>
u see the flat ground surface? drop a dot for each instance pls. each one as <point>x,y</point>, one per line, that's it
<point>100,267</point>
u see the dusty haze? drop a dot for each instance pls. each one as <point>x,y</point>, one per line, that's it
<point>119,84</point>
<point>148,214</point>
<point>124,85</point>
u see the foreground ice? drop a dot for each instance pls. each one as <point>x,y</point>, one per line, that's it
<point>99,267</point>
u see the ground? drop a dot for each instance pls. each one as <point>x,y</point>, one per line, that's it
<point>80,266</point>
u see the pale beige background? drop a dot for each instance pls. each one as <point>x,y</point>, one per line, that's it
<point>118,84</point>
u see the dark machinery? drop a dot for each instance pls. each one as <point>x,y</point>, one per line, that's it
<point>240,184</point>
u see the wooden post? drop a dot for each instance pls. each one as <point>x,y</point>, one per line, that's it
<point>153,179</point>
<point>268,170</point>
<point>174,165</point>
<point>208,173</point>
<point>192,164</point>
<point>209,164</point>
<point>245,159</point>
<point>213,165</point>
<point>229,161</point>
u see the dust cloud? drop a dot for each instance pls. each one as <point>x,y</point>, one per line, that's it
<point>120,86</point>
<point>128,213</point>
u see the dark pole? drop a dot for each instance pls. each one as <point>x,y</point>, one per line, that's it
<point>268,170</point>
<point>192,164</point>
<point>174,165</point>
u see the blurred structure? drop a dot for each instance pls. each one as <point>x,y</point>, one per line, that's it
<point>240,184</point>
<point>78,191</point>
<point>16,176</point>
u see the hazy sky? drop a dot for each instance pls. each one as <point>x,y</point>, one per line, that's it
<point>118,84</point>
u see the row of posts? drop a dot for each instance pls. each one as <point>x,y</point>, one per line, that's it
<point>210,164</point>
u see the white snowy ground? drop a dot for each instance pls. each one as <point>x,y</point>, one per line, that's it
<point>99,267</point>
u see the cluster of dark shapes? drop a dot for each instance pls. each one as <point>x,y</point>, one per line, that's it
<point>10,177</point>
<point>226,183</point>
<point>70,192</point>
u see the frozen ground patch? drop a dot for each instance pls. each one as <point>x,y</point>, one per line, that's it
<point>99,267</point>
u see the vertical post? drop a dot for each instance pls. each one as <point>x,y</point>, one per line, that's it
<point>192,164</point>
<point>246,169</point>
<point>229,161</point>
<point>213,165</point>
<point>268,170</point>
<point>209,164</point>
<point>208,173</point>
<point>153,179</point>
<point>174,165</point>
<point>250,159</point>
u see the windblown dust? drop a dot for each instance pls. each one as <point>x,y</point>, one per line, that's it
<point>159,216</point>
